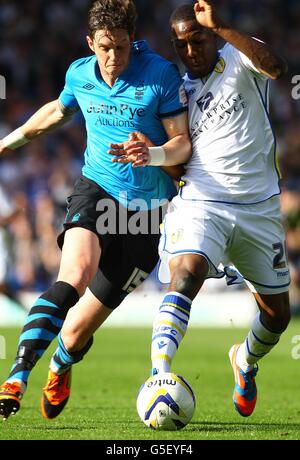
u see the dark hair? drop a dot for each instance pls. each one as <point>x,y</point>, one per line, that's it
<point>183,13</point>
<point>112,14</point>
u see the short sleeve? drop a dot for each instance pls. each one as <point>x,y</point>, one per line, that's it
<point>248,64</point>
<point>173,100</point>
<point>67,97</point>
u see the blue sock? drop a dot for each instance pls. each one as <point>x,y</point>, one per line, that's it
<point>43,324</point>
<point>63,359</point>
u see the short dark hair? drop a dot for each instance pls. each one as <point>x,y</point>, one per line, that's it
<point>183,13</point>
<point>112,14</point>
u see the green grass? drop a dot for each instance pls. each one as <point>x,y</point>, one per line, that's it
<point>105,385</point>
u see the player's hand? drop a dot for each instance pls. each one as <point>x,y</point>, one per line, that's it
<point>137,136</point>
<point>3,149</point>
<point>206,15</point>
<point>134,151</point>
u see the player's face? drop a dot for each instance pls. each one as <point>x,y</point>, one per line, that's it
<point>112,49</point>
<point>196,47</point>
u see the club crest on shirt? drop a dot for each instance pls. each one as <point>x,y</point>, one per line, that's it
<point>176,236</point>
<point>220,66</point>
<point>140,91</point>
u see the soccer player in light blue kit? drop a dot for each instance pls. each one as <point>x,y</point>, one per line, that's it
<point>123,88</point>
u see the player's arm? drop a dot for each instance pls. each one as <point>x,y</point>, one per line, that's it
<point>45,120</point>
<point>262,56</point>
<point>175,172</point>
<point>172,126</point>
<point>176,151</point>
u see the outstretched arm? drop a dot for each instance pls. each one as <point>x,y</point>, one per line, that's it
<point>46,119</point>
<point>260,54</point>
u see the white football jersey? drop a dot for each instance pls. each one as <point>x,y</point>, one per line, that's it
<point>234,148</point>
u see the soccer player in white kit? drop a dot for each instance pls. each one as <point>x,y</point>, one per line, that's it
<point>228,205</point>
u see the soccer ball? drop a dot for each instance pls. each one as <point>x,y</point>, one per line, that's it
<point>166,402</point>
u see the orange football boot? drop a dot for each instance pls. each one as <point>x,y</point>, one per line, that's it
<point>245,391</point>
<point>56,393</point>
<point>11,394</point>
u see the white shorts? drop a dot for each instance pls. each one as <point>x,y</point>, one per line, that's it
<point>250,236</point>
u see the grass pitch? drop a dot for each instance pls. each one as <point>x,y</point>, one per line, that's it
<point>105,385</point>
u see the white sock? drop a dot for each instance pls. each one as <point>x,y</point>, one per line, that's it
<point>55,368</point>
<point>257,344</point>
<point>169,328</point>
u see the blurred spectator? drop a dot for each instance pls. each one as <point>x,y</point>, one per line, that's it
<point>9,213</point>
<point>290,204</point>
<point>38,41</point>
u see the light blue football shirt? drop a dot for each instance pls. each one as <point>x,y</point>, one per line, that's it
<point>146,92</point>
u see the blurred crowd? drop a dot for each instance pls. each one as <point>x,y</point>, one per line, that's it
<point>38,41</point>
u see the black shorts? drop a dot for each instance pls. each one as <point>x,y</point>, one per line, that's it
<point>126,258</point>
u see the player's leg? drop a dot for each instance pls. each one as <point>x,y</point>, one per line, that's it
<point>126,261</point>
<point>74,341</point>
<point>191,247</point>
<point>266,329</point>
<point>188,273</point>
<point>259,254</point>
<point>268,325</point>
<point>80,259</point>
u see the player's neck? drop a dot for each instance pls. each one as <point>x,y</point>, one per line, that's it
<point>109,80</point>
<point>205,77</point>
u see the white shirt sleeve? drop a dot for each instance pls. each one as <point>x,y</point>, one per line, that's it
<point>248,64</point>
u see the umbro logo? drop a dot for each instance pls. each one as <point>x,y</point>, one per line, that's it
<point>88,86</point>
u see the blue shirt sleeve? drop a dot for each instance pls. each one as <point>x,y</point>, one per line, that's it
<point>67,97</point>
<point>173,100</point>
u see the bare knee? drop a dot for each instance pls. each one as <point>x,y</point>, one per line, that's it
<point>188,274</point>
<point>79,277</point>
<point>275,310</point>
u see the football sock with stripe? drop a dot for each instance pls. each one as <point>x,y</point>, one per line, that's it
<point>169,328</point>
<point>259,341</point>
<point>43,324</point>
<point>63,359</point>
